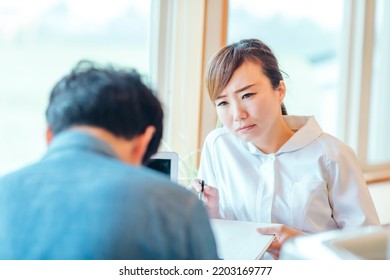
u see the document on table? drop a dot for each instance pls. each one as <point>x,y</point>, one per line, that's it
<point>239,240</point>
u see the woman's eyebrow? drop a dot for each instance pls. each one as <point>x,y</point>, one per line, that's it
<point>243,88</point>
<point>236,91</point>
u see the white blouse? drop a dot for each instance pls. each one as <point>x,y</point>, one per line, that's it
<point>313,183</point>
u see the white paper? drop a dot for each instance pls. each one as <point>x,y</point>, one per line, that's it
<point>239,240</point>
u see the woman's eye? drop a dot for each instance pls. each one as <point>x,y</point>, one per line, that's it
<point>247,95</point>
<point>222,103</point>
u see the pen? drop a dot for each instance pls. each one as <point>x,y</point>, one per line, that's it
<point>201,193</point>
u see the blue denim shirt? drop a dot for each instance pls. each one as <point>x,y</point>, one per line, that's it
<point>81,202</point>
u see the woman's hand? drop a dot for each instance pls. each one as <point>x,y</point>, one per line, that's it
<point>210,197</point>
<point>282,233</point>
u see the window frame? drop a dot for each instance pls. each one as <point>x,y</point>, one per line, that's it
<point>187,33</point>
<point>358,84</point>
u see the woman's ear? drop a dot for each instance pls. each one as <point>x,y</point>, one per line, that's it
<point>49,135</point>
<point>281,91</point>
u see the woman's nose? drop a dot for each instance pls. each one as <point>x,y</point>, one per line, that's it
<point>239,113</point>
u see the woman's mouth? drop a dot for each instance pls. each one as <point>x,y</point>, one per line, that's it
<point>245,128</point>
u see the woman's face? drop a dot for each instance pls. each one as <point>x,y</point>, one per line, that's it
<point>249,107</point>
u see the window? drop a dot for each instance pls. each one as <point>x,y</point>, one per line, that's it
<point>379,132</point>
<point>40,41</point>
<point>307,44</point>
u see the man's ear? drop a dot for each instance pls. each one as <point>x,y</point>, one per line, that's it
<point>141,143</point>
<point>49,135</point>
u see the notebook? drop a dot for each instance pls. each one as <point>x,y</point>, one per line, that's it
<point>239,240</point>
<point>166,163</point>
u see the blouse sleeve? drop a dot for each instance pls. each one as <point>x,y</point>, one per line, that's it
<point>206,167</point>
<point>348,192</point>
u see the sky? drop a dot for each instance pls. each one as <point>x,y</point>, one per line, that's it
<point>317,10</point>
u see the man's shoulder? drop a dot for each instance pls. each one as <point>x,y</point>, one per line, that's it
<point>18,174</point>
<point>160,184</point>
<point>150,182</point>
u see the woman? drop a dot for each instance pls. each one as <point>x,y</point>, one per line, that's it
<point>266,167</point>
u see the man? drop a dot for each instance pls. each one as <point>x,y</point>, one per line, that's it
<point>89,197</point>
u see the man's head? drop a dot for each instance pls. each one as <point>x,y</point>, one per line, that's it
<point>114,100</point>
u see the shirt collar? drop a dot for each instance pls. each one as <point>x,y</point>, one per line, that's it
<point>72,139</point>
<point>306,131</point>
